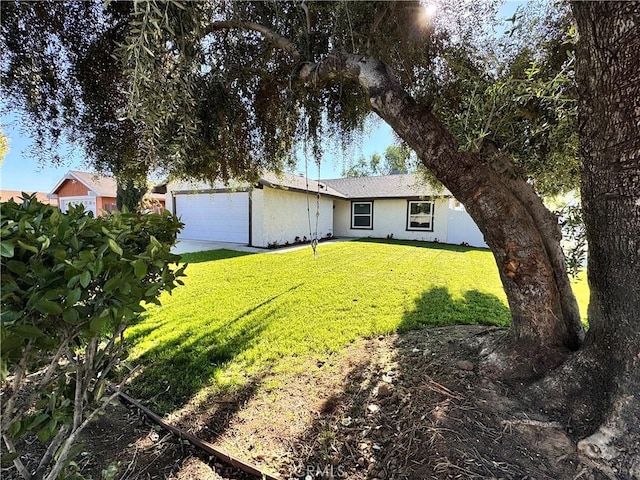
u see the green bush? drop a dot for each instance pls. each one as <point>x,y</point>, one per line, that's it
<point>71,283</point>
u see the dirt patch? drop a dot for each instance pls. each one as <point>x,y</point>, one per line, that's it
<point>411,406</point>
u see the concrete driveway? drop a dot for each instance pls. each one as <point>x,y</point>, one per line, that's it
<point>190,246</point>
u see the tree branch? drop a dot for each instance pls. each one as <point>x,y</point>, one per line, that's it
<point>22,470</point>
<point>51,450</point>
<point>71,440</point>
<point>380,16</point>
<point>8,413</point>
<point>280,42</point>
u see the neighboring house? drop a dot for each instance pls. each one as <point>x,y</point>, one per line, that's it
<point>95,192</point>
<point>6,195</point>
<point>281,209</point>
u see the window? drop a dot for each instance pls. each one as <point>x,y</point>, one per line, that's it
<point>362,215</point>
<point>420,215</point>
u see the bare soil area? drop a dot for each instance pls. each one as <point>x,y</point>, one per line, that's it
<point>410,406</point>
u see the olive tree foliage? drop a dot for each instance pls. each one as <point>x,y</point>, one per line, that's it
<point>237,64</point>
<point>71,284</point>
<point>211,89</point>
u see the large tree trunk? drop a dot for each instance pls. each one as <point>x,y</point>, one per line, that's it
<point>606,374</point>
<point>522,234</point>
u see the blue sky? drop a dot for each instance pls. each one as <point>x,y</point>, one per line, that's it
<point>21,171</point>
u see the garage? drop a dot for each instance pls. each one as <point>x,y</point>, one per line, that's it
<point>217,217</point>
<point>88,202</point>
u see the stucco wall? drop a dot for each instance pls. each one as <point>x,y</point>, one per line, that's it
<point>281,216</point>
<point>390,217</point>
<point>462,228</point>
<point>342,219</point>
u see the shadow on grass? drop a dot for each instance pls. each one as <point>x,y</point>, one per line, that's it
<point>380,422</point>
<point>437,307</point>
<point>419,244</point>
<point>177,368</point>
<point>211,255</point>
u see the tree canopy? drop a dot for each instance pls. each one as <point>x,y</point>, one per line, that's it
<point>212,89</point>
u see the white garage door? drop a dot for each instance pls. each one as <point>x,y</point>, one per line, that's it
<point>218,217</point>
<point>88,202</point>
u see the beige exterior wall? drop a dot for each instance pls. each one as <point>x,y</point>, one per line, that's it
<point>390,217</point>
<point>281,216</point>
<point>342,219</point>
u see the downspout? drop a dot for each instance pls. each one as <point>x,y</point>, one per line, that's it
<point>251,217</point>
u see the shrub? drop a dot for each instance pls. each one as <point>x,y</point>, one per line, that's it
<point>71,283</point>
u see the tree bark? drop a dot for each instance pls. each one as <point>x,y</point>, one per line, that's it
<point>608,79</point>
<point>597,392</point>
<point>522,234</point>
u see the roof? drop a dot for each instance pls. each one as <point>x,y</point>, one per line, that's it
<point>101,185</point>
<point>6,195</point>
<point>289,181</point>
<point>281,181</point>
<point>388,186</point>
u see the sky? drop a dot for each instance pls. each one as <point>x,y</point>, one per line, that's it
<point>23,172</point>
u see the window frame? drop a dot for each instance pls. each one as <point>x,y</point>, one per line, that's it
<point>431,216</point>
<point>360,215</point>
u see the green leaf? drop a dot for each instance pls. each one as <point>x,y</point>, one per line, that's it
<point>97,395</point>
<point>45,241</point>
<point>6,249</point>
<point>140,269</point>
<point>31,248</point>
<point>4,370</point>
<point>27,331</point>
<point>111,284</point>
<point>48,307</point>
<point>9,457</point>
<point>73,281</point>
<point>8,316</point>
<point>152,290</point>
<point>85,278</point>
<point>98,324</point>
<point>48,431</point>
<point>73,296</point>
<point>70,315</point>
<point>15,428</point>
<point>115,248</point>
<point>41,418</point>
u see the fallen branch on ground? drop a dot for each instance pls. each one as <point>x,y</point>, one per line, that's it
<point>201,444</point>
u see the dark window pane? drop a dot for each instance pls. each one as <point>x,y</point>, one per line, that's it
<point>420,222</point>
<point>421,208</point>
<point>362,221</point>
<point>362,208</point>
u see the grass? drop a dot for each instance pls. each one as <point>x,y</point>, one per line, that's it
<point>242,316</point>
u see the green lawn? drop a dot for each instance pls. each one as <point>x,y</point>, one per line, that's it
<point>241,316</point>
